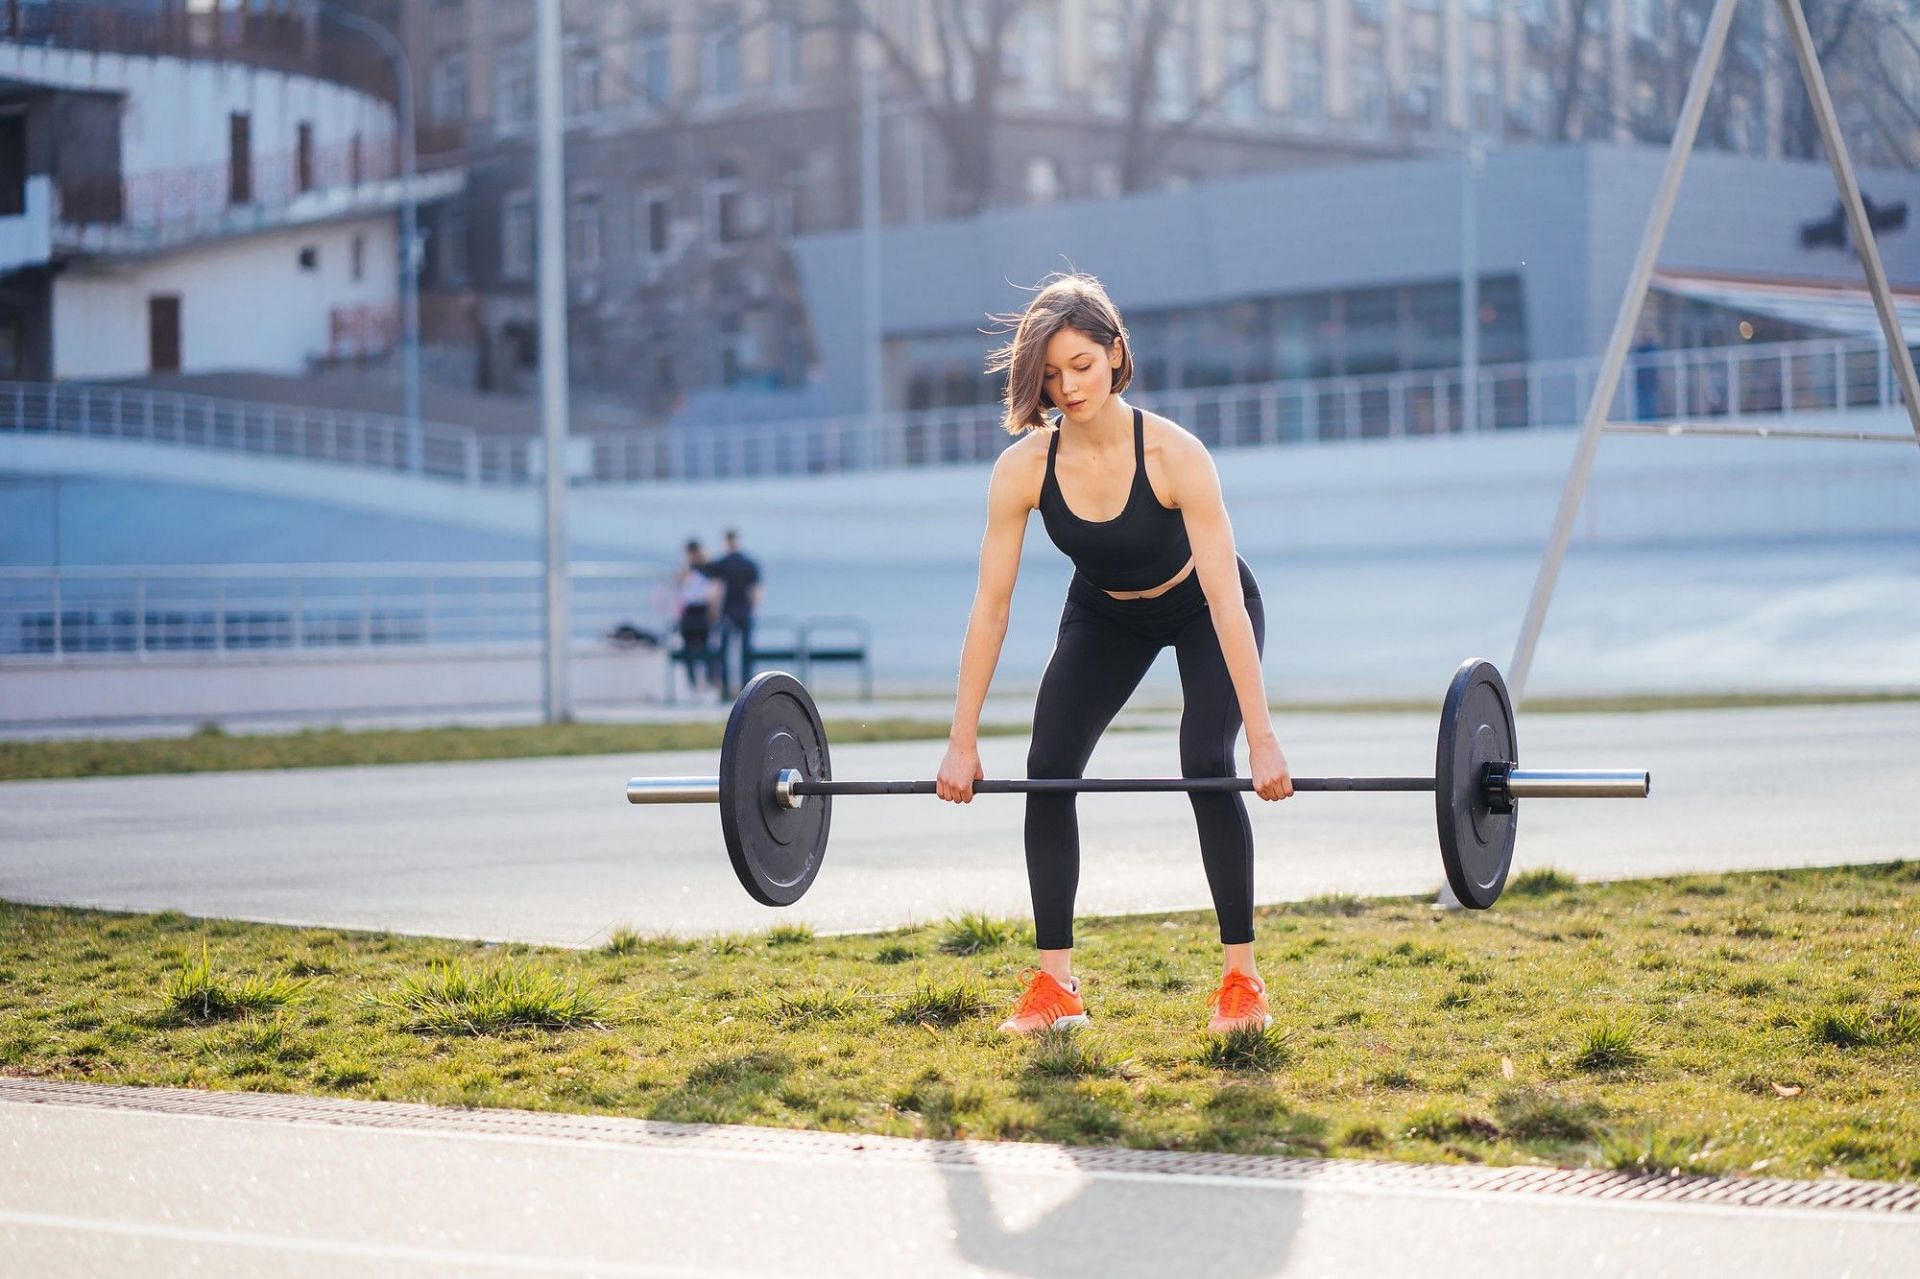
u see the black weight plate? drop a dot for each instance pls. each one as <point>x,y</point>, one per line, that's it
<point>1476,728</point>
<point>775,851</point>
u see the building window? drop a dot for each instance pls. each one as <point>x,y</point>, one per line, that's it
<point>1242,68</point>
<point>584,238</point>
<point>1367,12</point>
<point>239,158</point>
<point>1173,74</point>
<point>649,68</point>
<point>1420,103</point>
<point>720,55</point>
<point>1106,61</point>
<point>357,258</point>
<point>1649,19</point>
<point>516,236</point>
<point>512,90</point>
<point>1486,98</point>
<point>447,100</point>
<point>1306,86</point>
<point>785,71</point>
<point>653,224</point>
<point>1043,180</point>
<point>452,255</point>
<point>1367,90</point>
<point>1029,56</point>
<point>447,21</point>
<point>726,201</point>
<point>1485,8</point>
<point>303,157</point>
<point>583,80</point>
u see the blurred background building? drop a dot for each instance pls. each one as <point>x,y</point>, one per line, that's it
<point>204,453</point>
<point>705,139</point>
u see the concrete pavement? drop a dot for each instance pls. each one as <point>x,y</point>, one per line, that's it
<point>162,1183</point>
<point>547,850</point>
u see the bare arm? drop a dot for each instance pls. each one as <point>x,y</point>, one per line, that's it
<point>1194,486</point>
<point>1008,501</point>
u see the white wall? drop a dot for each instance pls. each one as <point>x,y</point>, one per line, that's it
<point>245,303</point>
<point>315,687</point>
<point>177,109</point>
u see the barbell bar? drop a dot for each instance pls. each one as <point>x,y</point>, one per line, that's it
<point>791,788</point>
<point>774,760</point>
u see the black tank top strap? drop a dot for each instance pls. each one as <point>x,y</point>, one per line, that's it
<point>1139,451</point>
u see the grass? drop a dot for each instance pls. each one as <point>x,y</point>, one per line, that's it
<point>1752,1023</point>
<point>211,750</point>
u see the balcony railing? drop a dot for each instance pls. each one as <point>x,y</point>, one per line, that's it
<point>1824,377</point>
<point>284,37</point>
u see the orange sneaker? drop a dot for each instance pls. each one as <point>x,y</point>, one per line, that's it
<point>1241,1001</point>
<point>1045,1005</point>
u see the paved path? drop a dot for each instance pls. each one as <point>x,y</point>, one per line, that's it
<point>547,850</point>
<point>113,1181</point>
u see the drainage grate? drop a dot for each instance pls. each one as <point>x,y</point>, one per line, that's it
<point>1857,1196</point>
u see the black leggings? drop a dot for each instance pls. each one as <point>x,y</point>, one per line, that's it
<point>1104,649</point>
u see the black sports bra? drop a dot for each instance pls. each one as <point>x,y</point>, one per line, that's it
<point>1138,549</point>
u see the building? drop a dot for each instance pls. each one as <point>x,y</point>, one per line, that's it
<point>703,137</point>
<point>1322,274</point>
<point>194,190</point>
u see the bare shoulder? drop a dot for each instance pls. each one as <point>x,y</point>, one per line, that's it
<point>1022,463</point>
<point>1178,450</point>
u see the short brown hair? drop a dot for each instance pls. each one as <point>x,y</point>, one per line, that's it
<point>1075,301</point>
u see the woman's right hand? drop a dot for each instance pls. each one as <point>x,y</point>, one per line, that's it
<point>958,772</point>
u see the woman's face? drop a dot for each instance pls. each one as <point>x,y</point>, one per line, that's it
<point>1078,374</point>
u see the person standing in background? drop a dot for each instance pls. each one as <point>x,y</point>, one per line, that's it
<point>740,578</point>
<point>697,596</point>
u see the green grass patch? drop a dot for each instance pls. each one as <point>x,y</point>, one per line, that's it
<point>1764,1023</point>
<point>453,998</point>
<point>218,752</point>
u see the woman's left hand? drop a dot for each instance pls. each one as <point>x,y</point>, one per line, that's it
<point>1271,780</point>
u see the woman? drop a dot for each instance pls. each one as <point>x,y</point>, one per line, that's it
<point>696,599</point>
<point>1134,501</point>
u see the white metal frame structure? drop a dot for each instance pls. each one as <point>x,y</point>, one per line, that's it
<point>1628,318</point>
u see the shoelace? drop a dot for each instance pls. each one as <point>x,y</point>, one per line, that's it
<point>1044,994</point>
<point>1236,996</point>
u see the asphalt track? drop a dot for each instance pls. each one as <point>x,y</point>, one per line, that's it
<point>121,1181</point>
<point>547,850</point>
<point>113,1181</point>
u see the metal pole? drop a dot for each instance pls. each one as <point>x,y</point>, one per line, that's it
<point>1470,285</point>
<point>551,166</point>
<point>1836,146</point>
<point>1601,398</point>
<point>870,230</point>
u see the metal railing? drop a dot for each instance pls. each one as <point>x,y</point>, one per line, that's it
<point>1828,375</point>
<point>139,612</point>
<point>1824,376</point>
<point>376,441</point>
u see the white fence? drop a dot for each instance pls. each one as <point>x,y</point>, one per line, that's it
<point>264,610</point>
<point>1823,376</point>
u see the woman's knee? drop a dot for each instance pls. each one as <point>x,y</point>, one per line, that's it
<point>1046,759</point>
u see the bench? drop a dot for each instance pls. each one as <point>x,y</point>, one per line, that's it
<point>785,643</point>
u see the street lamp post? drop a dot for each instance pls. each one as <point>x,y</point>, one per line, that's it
<point>390,45</point>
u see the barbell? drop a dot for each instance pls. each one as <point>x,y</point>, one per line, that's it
<point>776,789</point>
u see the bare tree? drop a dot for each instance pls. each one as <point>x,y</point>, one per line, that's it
<point>961,94</point>
<point>1148,135</point>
